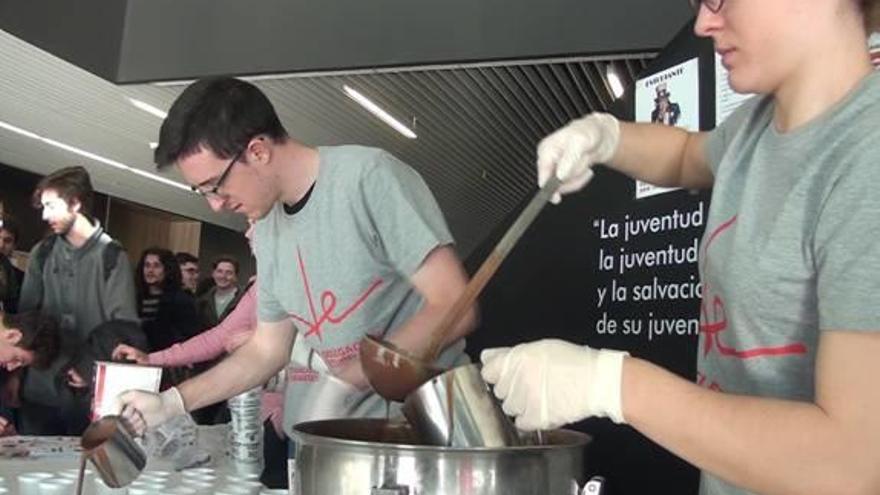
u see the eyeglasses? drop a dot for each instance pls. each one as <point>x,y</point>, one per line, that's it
<point>712,5</point>
<point>213,191</point>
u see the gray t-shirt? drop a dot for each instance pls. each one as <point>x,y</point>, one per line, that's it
<point>340,266</point>
<point>791,247</point>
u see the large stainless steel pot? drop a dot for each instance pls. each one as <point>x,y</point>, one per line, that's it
<point>377,457</point>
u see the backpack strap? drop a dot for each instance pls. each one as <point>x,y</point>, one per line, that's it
<point>44,251</point>
<point>110,256</point>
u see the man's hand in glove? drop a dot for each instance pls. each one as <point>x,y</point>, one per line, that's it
<point>570,152</point>
<point>549,383</point>
<point>147,409</point>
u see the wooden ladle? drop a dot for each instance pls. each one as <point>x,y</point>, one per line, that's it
<point>394,373</point>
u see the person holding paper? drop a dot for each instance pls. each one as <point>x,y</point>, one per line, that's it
<point>231,333</point>
<point>786,399</point>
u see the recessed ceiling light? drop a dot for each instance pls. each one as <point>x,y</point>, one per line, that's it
<point>150,109</point>
<point>378,112</point>
<point>614,81</point>
<point>95,157</point>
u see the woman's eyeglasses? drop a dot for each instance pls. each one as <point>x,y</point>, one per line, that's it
<point>713,5</point>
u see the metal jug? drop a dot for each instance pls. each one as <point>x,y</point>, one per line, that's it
<point>457,409</point>
<point>110,446</point>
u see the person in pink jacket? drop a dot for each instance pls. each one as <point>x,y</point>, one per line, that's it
<point>228,335</point>
<point>233,331</point>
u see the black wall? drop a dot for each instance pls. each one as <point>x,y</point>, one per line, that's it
<point>548,288</point>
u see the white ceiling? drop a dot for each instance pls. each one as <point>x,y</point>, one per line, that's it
<point>477,124</point>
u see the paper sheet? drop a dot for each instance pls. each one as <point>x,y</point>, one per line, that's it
<point>111,379</point>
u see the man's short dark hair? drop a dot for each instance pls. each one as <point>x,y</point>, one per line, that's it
<point>10,226</point>
<point>183,258</point>
<point>39,334</point>
<point>225,259</point>
<point>71,183</point>
<point>220,113</point>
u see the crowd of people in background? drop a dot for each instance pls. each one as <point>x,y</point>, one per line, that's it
<point>77,299</point>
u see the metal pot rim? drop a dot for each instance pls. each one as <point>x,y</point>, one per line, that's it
<point>571,439</point>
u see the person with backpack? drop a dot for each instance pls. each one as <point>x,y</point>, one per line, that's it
<point>80,276</point>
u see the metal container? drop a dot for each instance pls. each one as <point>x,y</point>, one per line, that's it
<point>378,457</point>
<point>109,444</point>
<point>457,409</point>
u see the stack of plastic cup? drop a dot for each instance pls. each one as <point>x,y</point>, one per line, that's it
<point>200,479</point>
<point>88,478</point>
<point>183,490</point>
<point>235,490</point>
<point>103,489</point>
<point>146,486</point>
<point>241,484</point>
<point>200,487</point>
<point>29,483</point>
<point>254,487</point>
<point>246,433</point>
<point>57,486</point>
<point>156,475</point>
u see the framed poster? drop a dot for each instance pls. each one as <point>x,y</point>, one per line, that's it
<point>670,97</point>
<point>726,99</point>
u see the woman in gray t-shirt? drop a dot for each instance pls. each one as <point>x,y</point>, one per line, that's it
<point>790,264</point>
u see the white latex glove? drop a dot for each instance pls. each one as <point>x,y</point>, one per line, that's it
<point>571,152</point>
<point>147,409</point>
<point>549,383</point>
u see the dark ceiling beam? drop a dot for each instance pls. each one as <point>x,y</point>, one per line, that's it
<point>185,39</point>
<point>86,33</point>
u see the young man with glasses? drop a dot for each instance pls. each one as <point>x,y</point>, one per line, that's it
<point>349,242</point>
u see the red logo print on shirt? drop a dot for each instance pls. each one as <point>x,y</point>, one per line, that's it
<point>328,304</point>
<point>703,381</point>
<point>713,318</point>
